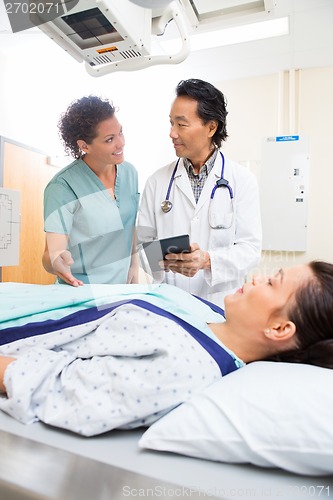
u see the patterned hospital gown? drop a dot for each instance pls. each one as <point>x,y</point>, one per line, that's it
<point>123,370</point>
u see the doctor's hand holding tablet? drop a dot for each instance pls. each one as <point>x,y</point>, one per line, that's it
<point>202,194</point>
<point>176,254</point>
<point>187,263</point>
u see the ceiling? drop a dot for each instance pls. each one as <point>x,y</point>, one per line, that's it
<point>223,12</point>
<point>309,44</point>
<point>200,13</point>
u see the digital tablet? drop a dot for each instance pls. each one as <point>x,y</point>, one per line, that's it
<point>156,250</point>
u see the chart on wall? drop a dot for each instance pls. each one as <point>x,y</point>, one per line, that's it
<point>284,192</point>
<point>9,227</point>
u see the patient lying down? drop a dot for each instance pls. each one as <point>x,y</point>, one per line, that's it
<point>130,363</point>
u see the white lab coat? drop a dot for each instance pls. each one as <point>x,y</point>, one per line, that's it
<point>233,251</point>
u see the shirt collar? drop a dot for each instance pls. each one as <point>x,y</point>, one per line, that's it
<point>206,168</point>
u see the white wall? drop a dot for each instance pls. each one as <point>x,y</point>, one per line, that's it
<point>33,94</point>
<point>254,107</point>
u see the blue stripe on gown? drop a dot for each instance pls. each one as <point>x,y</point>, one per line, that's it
<point>225,361</point>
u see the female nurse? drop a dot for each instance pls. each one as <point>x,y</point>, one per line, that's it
<point>90,206</point>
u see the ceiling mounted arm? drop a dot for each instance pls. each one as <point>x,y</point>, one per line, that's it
<point>174,12</point>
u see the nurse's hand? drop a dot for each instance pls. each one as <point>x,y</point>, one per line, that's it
<point>62,268</point>
<point>187,264</point>
<point>133,272</point>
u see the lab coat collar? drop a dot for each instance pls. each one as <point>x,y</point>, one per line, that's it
<point>183,183</point>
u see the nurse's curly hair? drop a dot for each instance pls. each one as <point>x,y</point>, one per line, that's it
<point>312,313</point>
<point>80,121</point>
<point>211,105</point>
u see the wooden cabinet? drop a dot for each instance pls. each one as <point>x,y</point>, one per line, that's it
<point>27,171</point>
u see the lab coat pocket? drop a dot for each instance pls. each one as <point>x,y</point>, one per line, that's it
<point>218,220</point>
<point>221,210</point>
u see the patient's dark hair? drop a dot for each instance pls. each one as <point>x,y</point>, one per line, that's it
<point>312,313</point>
<point>211,104</point>
<point>80,121</point>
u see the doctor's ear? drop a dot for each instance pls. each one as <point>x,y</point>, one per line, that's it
<point>212,124</point>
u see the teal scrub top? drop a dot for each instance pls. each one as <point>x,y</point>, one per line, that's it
<point>100,229</point>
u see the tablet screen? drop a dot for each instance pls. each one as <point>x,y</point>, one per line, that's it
<point>156,250</point>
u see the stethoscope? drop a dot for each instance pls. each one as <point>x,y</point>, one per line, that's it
<point>167,205</point>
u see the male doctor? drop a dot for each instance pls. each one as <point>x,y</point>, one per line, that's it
<point>205,195</point>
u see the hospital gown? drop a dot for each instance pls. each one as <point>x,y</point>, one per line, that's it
<point>125,368</point>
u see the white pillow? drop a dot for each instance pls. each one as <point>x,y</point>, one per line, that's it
<point>268,414</point>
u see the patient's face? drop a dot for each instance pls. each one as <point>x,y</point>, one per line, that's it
<point>265,298</point>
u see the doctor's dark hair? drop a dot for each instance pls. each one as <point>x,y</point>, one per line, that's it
<point>312,313</point>
<point>80,121</point>
<point>211,104</point>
